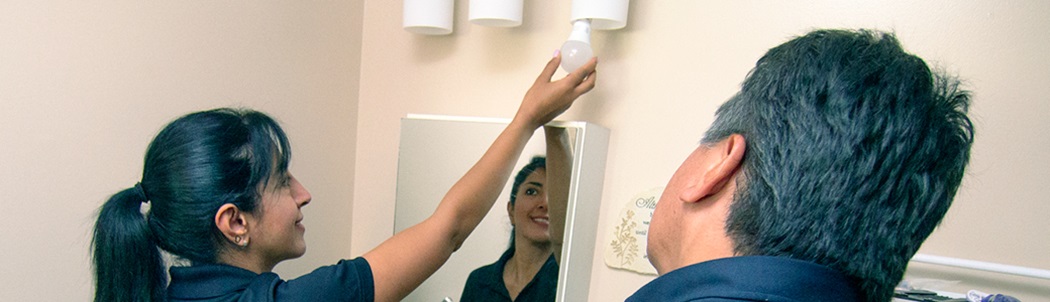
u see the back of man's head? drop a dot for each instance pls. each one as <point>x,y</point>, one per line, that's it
<point>855,150</point>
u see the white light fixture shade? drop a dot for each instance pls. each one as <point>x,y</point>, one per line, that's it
<point>498,13</point>
<point>428,17</point>
<point>604,14</point>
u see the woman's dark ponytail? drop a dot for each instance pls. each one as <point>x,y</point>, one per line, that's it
<point>128,265</point>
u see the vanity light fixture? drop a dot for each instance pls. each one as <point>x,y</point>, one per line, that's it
<point>497,13</point>
<point>428,17</point>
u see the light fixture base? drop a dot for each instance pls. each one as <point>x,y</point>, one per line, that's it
<point>581,31</point>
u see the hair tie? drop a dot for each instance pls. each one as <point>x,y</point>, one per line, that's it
<point>141,192</point>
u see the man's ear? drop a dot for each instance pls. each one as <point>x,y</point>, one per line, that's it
<point>232,222</point>
<point>717,167</point>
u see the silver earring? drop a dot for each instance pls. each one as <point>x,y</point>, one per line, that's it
<point>242,244</point>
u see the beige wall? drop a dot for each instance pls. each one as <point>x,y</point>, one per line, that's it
<point>661,78</point>
<point>85,86</point>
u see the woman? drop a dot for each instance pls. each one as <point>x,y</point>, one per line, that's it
<point>527,271</point>
<point>523,272</point>
<point>220,196</point>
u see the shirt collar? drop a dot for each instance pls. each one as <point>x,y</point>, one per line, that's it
<point>759,278</point>
<point>210,280</point>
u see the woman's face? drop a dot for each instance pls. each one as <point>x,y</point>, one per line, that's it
<point>528,214</point>
<point>278,234</point>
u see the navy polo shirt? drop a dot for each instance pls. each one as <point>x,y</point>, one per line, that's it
<point>750,278</point>
<point>348,280</point>
<point>486,283</point>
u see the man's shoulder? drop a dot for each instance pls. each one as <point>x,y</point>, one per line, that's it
<point>751,278</point>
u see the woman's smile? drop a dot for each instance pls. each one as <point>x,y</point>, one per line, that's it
<point>541,220</point>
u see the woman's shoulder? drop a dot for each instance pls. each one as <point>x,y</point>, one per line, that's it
<point>347,280</point>
<point>487,271</point>
<point>348,272</point>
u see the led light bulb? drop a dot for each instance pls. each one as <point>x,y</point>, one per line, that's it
<point>577,49</point>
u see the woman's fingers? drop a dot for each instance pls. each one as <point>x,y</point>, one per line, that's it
<point>587,68</point>
<point>587,84</point>
<point>548,71</point>
<point>584,71</point>
<point>583,78</point>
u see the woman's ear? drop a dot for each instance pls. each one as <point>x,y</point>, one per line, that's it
<point>718,167</point>
<point>233,224</point>
<point>510,212</point>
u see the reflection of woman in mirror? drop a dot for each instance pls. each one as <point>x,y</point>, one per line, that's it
<point>528,270</point>
<point>220,196</point>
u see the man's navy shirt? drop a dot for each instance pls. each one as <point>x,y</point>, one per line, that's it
<point>750,278</point>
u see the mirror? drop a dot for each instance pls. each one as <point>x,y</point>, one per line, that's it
<point>435,151</point>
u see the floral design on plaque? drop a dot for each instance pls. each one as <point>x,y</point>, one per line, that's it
<point>626,249</point>
<point>625,246</point>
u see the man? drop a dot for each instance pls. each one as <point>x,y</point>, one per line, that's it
<point>818,181</point>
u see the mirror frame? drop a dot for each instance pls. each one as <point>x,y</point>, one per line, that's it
<point>584,208</point>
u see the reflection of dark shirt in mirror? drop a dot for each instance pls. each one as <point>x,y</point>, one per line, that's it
<point>486,283</point>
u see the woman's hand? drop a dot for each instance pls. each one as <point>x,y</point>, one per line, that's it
<point>546,99</point>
